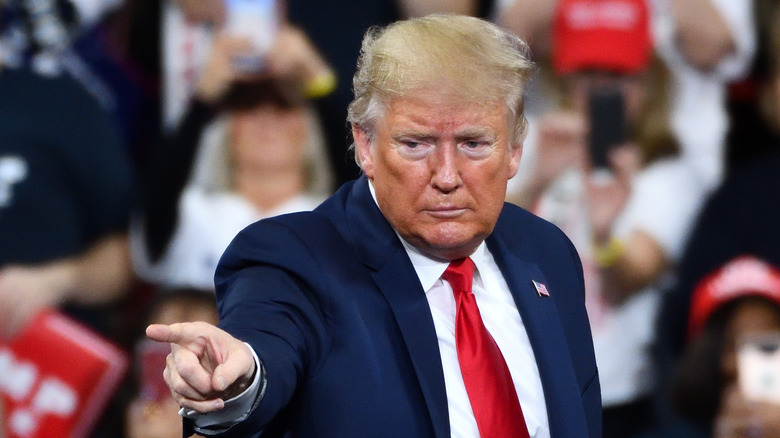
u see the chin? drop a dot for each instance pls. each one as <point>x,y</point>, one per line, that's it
<point>449,247</point>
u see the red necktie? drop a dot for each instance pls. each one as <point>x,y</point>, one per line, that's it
<point>488,382</point>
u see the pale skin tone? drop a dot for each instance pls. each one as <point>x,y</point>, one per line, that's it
<point>440,179</point>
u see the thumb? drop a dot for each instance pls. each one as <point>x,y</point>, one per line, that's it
<point>235,374</point>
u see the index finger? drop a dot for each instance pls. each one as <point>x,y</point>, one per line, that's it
<point>179,333</point>
<point>160,333</point>
<point>185,333</point>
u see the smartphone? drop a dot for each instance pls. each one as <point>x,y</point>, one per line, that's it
<point>606,113</point>
<point>758,367</point>
<point>257,20</point>
<point>150,362</point>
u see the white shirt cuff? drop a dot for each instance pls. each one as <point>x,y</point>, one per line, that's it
<point>236,409</point>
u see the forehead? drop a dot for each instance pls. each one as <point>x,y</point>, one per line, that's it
<point>755,315</point>
<point>444,113</point>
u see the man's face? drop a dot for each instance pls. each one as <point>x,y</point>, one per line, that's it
<point>440,170</point>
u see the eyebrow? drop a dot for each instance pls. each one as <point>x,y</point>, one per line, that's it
<point>472,133</point>
<point>413,133</point>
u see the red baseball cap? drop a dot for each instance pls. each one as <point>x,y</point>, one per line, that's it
<point>742,277</point>
<point>601,35</point>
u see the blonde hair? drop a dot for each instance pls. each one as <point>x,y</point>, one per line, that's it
<point>653,130</point>
<point>474,60</point>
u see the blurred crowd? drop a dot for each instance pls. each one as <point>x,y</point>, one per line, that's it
<point>137,137</point>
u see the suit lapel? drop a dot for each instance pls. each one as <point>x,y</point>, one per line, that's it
<point>401,288</point>
<point>543,324</point>
<point>379,248</point>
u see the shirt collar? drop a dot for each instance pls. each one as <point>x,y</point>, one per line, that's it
<point>429,270</point>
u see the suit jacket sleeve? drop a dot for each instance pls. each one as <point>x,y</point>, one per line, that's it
<point>270,299</point>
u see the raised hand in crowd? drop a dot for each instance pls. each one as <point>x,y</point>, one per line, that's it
<point>292,58</point>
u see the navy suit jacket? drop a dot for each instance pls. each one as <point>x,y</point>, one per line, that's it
<point>333,307</point>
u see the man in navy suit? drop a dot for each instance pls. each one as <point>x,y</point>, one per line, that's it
<point>346,321</point>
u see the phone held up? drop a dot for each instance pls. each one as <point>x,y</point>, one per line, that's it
<point>606,113</point>
<point>758,365</point>
<point>258,21</point>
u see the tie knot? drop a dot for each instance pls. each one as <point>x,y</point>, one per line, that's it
<point>460,274</point>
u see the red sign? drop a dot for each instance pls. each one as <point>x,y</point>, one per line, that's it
<point>56,378</point>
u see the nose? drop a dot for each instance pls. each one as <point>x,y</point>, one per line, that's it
<point>445,174</point>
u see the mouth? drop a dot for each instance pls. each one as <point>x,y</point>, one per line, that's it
<point>445,212</point>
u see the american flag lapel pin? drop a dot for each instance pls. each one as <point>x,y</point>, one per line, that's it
<point>541,289</point>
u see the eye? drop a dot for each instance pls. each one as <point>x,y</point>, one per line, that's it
<point>477,148</point>
<point>414,148</point>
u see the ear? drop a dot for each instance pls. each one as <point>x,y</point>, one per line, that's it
<point>363,150</point>
<point>515,153</point>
